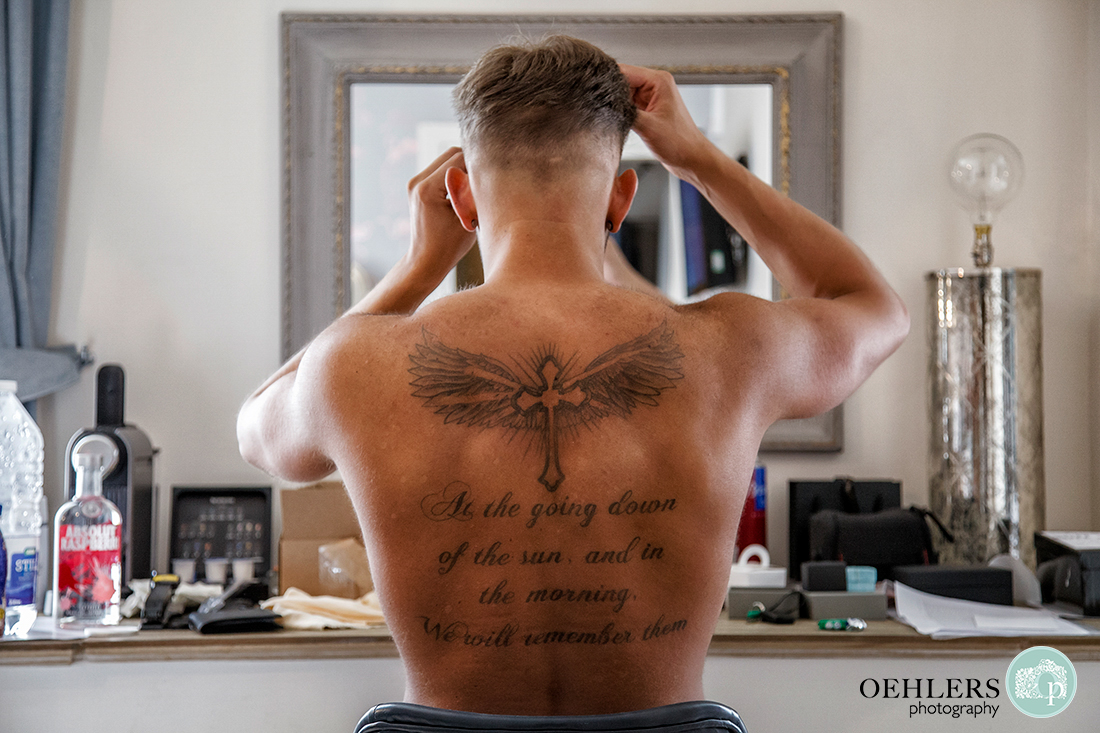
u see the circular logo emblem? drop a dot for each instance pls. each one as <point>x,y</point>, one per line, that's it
<point>1041,682</point>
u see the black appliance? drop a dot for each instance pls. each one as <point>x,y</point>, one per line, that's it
<point>129,483</point>
<point>1068,568</point>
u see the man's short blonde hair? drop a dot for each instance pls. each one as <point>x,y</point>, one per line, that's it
<point>523,104</point>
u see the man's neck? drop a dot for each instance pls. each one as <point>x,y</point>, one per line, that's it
<point>547,224</point>
<point>541,251</point>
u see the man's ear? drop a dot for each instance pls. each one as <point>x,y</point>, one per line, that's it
<point>622,195</point>
<point>462,198</point>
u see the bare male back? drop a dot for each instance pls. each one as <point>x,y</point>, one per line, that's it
<point>549,493</point>
<point>548,469</point>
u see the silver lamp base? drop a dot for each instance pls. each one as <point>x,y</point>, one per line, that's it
<point>986,411</point>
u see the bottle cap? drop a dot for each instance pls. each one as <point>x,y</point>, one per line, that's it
<point>99,445</point>
<point>88,460</point>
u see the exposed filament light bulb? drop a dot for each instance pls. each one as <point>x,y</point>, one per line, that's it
<point>986,173</point>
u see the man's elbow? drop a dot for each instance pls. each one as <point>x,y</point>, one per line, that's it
<point>894,324</point>
<point>249,441</point>
<point>276,457</point>
<point>881,337</point>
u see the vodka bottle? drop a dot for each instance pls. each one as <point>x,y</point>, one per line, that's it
<point>21,501</point>
<point>87,550</point>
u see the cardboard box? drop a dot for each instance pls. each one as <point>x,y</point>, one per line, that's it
<point>312,516</point>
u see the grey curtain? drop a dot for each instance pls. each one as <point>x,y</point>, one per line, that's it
<point>34,37</point>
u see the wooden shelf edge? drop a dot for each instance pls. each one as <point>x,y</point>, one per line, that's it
<point>882,639</point>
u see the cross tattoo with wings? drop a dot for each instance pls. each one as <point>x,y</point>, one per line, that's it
<point>544,394</point>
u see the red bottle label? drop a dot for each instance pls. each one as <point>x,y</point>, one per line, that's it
<point>753,527</point>
<point>89,567</point>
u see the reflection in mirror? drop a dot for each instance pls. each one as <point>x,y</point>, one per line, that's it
<point>671,236</point>
<point>396,131</point>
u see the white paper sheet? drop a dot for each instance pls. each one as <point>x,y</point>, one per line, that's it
<point>1080,541</point>
<point>950,618</point>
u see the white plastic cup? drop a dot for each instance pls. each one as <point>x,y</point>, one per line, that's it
<point>244,568</point>
<point>216,568</point>
<point>184,568</point>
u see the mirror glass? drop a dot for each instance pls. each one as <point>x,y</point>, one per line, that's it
<point>671,236</point>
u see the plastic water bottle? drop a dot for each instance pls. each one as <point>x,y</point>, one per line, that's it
<point>21,457</point>
<point>3,567</point>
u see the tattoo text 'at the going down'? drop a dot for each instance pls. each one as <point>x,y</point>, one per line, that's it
<point>456,502</point>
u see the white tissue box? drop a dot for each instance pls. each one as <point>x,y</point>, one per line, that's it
<point>757,576</point>
<point>747,575</point>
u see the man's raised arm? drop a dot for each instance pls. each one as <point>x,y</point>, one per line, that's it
<point>280,425</point>
<point>843,319</point>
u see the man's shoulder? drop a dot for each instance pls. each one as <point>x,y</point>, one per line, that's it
<point>730,317</point>
<point>353,348</point>
<point>723,304</point>
<point>356,331</point>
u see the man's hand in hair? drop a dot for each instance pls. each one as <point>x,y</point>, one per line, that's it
<point>664,123</point>
<point>438,239</point>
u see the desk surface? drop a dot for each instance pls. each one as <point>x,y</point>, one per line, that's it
<point>731,638</point>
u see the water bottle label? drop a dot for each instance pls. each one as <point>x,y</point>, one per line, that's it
<point>22,575</point>
<point>89,561</point>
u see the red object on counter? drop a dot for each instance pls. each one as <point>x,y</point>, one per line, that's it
<point>753,527</point>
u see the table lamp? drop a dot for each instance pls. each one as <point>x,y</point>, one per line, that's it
<point>986,480</point>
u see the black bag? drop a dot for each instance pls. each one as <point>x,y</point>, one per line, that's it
<point>843,494</point>
<point>883,540</point>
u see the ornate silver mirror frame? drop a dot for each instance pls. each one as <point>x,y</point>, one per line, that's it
<point>324,54</point>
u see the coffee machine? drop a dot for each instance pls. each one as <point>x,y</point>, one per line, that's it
<point>129,481</point>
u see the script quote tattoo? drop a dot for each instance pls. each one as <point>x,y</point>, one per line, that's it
<point>544,394</point>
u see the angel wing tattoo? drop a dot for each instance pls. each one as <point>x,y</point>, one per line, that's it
<point>544,394</point>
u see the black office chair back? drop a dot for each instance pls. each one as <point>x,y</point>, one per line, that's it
<point>687,717</point>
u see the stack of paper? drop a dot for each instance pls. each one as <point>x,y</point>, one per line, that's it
<point>1080,541</point>
<point>950,618</point>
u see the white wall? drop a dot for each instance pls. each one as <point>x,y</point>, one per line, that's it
<point>199,696</point>
<point>328,696</point>
<point>169,245</point>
